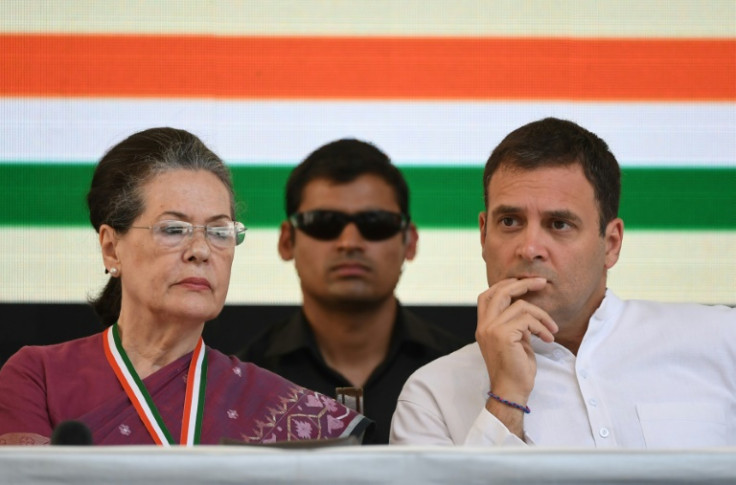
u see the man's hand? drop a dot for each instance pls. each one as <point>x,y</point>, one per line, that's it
<point>505,325</point>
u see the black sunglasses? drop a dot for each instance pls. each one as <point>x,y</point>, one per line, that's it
<point>326,224</point>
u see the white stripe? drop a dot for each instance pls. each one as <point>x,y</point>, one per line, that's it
<point>134,386</point>
<point>590,18</point>
<point>448,270</point>
<point>194,408</point>
<point>442,133</point>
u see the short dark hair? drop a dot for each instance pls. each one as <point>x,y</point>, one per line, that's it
<point>115,196</point>
<point>343,161</point>
<point>554,142</point>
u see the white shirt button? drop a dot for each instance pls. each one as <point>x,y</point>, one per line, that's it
<point>604,432</point>
<point>593,402</point>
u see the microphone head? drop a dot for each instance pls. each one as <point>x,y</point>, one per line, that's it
<point>71,433</point>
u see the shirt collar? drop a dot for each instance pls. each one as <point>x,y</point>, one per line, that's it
<point>606,312</point>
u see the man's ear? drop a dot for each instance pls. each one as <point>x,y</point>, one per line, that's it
<point>411,237</point>
<point>614,237</point>
<point>482,226</point>
<point>287,235</point>
<point>109,247</point>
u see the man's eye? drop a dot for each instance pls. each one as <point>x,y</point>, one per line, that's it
<point>560,225</point>
<point>508,221</point>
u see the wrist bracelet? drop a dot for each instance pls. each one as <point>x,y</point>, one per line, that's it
<point>510,403</point>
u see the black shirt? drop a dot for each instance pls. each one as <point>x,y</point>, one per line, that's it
<point>289,349</point>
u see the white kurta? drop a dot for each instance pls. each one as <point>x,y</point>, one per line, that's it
<point>647,375</point>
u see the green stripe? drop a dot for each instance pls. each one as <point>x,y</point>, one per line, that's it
<point>442,197</point>
<point>139,383</point>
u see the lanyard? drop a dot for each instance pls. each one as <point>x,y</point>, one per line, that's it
<point>191,422</point>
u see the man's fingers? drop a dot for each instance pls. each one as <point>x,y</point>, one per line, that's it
<point>519,320</point>
<point>491,313</point>
<point>542,330</point>
<point>499,296</point>
<point>520,307</point>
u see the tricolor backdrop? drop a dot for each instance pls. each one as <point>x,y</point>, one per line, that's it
<point>436,84</point>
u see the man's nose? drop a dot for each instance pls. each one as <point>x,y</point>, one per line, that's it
<point>532,244</point>
<point>350,237</point>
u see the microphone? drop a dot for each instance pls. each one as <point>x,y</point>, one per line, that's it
<point>71,433</point>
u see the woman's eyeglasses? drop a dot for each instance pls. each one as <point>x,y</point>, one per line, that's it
<point>170,234</point>
<point>374,225</point>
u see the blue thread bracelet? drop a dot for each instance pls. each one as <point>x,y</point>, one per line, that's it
<point>516,405</point>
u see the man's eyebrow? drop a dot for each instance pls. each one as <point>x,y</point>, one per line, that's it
<point>552,214</point>
<point>506,209</point>
<point>563,214</point>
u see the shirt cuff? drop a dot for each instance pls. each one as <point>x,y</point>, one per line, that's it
<point>487,430</point>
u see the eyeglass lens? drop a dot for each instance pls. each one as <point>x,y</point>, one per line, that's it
<point>173,233</point>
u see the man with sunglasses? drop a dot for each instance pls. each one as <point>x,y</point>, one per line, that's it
<point>349,232</point>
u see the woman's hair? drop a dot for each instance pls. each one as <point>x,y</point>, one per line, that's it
<point>115,197</point>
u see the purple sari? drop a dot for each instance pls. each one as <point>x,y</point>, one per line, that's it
<point>41,387</point>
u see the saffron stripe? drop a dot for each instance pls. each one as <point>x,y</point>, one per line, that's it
<point>194,397</point>
<point>186,432</point>
<point>139,389</point>
<point>197,66</point>
<point>117,369</point>
<point>120,366</point>
<point>683,198</point>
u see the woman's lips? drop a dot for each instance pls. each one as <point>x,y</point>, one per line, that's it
<point>195,283</point>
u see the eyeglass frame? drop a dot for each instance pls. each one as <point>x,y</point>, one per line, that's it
<point>238,228</point>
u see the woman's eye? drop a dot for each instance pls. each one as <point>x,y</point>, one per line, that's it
<point>220,232</point>
<point>174,230</point>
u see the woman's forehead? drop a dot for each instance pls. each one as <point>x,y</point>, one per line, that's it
<point>192,192</point>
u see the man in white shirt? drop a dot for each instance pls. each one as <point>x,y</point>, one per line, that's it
<point>559,360</point>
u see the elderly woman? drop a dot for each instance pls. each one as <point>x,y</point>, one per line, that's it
<point>163,206</point>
